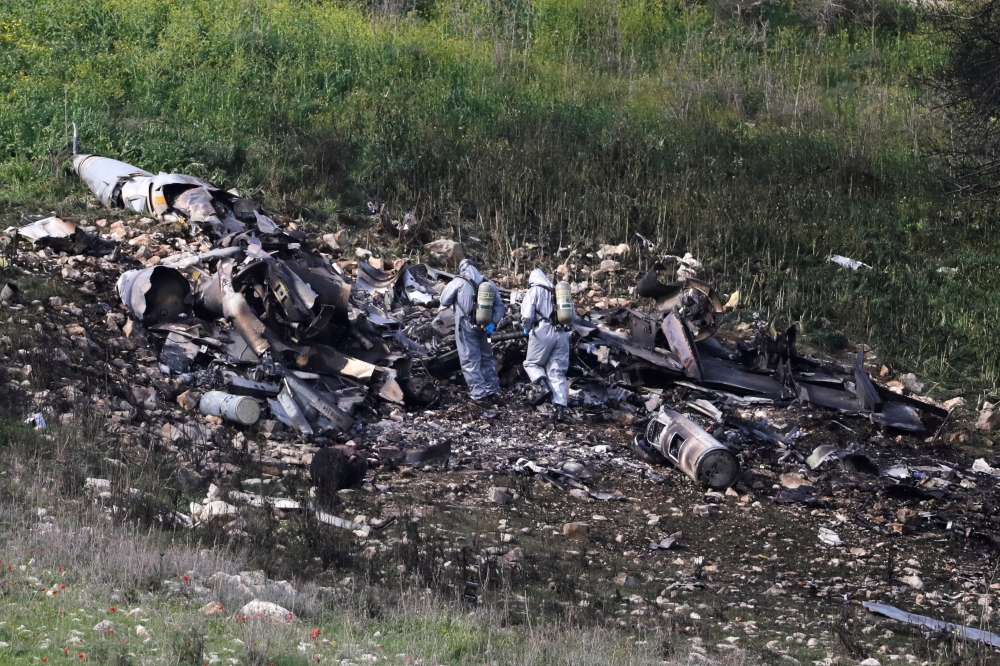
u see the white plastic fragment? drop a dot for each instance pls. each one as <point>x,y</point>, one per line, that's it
<point>829,537</point>
<point>37,420</point>
<point>853,264</point>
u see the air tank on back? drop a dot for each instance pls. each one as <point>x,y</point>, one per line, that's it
<point>564,303</point>
<point>484,303</point>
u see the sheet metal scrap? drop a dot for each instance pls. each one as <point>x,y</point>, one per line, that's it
<point>770,368</point>
<point>257,297</point>
<point>937,626</point>
<point>63,236</point>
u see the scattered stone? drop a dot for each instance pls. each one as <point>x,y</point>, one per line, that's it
<point>267,611</point>
<point>211,608</point>
<point>500,496</point>
<point>624,579</point>
<point>988,420</point>
<point>910,383</point>
<point>953,403</point>
<point>577,531</point>
<point>515,556</point>
<point>188,400</point>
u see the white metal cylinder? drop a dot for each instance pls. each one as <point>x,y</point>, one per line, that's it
<point>236,408</point>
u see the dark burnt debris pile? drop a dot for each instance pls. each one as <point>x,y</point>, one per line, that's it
<point>229,334</point>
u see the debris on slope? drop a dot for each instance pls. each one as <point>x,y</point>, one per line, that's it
<point>271,334</point>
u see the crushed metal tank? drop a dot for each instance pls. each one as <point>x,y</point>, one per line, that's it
<point>696,453</point>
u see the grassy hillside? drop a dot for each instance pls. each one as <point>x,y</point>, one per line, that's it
<point>762,137</point>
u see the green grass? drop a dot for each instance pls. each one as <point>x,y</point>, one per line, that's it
<point>761,143</point>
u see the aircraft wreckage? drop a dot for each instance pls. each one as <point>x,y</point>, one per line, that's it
<point>265,318</point>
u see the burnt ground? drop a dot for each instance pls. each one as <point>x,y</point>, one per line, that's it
<point>744,570</point>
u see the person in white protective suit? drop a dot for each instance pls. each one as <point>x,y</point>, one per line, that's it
<point>475,351</point>
<point>548,343</point>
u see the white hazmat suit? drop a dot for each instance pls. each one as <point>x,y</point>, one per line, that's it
<point>475,352</point>
<point>548,347</point>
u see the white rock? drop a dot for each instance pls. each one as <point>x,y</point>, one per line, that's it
<point>213,511</point>
<point>266,610</point>
<point>870,661</point>
<point>910,383</point>
<point>104,625</point>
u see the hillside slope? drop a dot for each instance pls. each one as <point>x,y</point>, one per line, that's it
<point>761,137</point>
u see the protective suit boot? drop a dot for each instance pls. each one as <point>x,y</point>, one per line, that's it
<point>542,390</point>
<point>560,414</point>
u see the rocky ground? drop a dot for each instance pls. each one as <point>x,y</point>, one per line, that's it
<point>543,519</point>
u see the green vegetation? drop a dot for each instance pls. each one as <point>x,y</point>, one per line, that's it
<point>762,137</point>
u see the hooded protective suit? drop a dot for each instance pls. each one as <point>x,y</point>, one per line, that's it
<point>548,347</point>
<point>474,349</point>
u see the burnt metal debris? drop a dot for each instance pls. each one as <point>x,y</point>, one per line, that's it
<point>243,308</point>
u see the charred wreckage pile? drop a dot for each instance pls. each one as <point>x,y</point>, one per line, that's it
<point>248,319</point>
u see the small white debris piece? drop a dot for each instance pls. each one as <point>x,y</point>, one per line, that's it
<point>829,537</point>
<point>97,484</point>
<point>612,250</point>
<point>37,420</point>
<point>853,264</point>
<point>983,467</point>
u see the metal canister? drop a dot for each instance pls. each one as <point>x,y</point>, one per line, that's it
<point>236,408</point>
<point>564,303</point>
<point>696,453</point>
<point>484,303</point>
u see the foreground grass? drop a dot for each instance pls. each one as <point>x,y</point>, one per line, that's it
<point>72,569</point>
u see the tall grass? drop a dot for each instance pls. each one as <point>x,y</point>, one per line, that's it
<point>760,136</point>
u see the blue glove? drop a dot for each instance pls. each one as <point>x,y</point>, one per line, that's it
<point>490,327</point>
<point>527,332</point>
<point>529,323</point>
